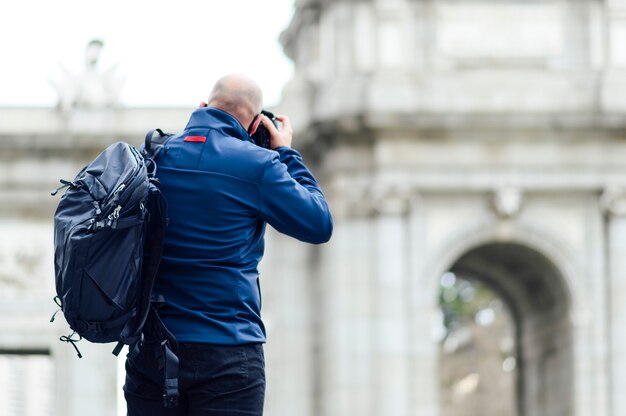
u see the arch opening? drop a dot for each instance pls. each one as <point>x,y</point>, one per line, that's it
<point>515,315</point>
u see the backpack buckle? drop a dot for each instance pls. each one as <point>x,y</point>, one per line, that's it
<point>170,402</point>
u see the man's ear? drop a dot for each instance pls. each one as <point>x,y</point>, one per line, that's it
<point>255,124</point>
<point>202,104</point>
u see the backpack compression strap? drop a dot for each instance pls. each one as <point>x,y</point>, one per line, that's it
<point>167,358</point>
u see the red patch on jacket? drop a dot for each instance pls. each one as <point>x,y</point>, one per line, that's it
<point>195,139</point>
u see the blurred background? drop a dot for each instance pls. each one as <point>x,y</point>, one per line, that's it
<point>472,152</point>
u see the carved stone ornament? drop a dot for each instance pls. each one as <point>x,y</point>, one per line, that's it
<point>391,200</point>
<point>21,270</point>
<point>507,202</point>
<point>354,202</point>
<point>94,88</point>
<point>26,259</point>
<point>613,201</point>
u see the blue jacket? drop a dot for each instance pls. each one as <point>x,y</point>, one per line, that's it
<point>221,190</point>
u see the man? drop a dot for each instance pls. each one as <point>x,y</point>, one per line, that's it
<point>221,190</point>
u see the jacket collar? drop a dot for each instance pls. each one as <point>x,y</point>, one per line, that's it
<point>219,120</point>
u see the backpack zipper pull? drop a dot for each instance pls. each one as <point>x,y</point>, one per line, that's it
<point>115,197</point>
<point>116,213</point>
<point>65,185</point>
<point>112,218</point>
<point>96,205</point>
<point>116,193</point>
<point>59,303</point>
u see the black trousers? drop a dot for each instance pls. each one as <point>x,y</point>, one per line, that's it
<point>214,380</point>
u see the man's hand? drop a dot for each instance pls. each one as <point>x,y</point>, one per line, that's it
<point>282,137</point>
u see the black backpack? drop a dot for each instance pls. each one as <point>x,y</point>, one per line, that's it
<point>108,239</point>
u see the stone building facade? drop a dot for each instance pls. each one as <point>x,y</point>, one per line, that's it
<point>477,137</point>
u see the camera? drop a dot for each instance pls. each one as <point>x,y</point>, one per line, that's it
<point>262,135</point>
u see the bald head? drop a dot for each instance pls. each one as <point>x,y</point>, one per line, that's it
<point>238,95</point>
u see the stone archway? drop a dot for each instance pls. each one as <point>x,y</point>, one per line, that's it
<point>539,302</point>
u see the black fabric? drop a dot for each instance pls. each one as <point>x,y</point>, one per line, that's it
<point>214,380</point>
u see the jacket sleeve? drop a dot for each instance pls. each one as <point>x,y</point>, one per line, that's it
<point>291,201</point>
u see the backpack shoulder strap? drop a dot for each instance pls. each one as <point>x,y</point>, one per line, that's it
<point>153,249</point>
<point>155,141</point>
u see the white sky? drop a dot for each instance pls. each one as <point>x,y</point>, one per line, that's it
<point>169,52</point>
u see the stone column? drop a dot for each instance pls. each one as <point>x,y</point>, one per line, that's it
<point>425,317</point>
<point>342,311</point>
<point>390,307</point>
<point>286,283</point>
<point>614,204</point>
